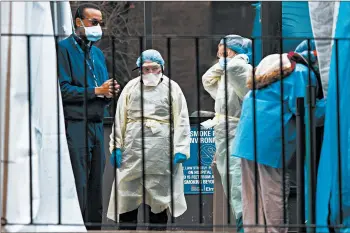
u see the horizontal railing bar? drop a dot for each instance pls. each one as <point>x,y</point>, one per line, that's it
<point>185,36</point>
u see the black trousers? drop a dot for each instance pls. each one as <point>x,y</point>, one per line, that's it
<point>130,218</point>
<point>88,162</point>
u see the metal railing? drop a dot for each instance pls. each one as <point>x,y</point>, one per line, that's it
<point>305,153</point>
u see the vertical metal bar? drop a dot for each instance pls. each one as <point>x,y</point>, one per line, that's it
<point>227,141</point>
<point>58,136</point>
<point>307,151</point>
<point>170,131</point>
<point>199,131</point>
<point>300,154</point>
<point>255,141</point>
<point>254,135</point>
<point>311,155</point>
<point>148,27</point>
<point>271,30</point>
<point>338,132</point>
<point>4,169</point>
<point>142,135</point>
<point>86,151</point>
<point>313,102</point>
<point>114,146</point>
<point>2,139</point>
<point>30,129</point>
<point>282,137</point>
<point>313,141</point>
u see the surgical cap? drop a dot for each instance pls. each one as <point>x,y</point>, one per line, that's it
<point>305,49</point>
<point>238,44</point>
<point>150,55</point>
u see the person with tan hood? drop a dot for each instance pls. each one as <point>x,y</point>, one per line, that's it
<point>260,139</point>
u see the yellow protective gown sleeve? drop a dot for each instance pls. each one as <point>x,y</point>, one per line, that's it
<point>181,122</point>
<point>237,71</point>
<point>119,126</point>
<point>211,79</point>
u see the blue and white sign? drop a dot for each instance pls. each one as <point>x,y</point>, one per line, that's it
<point>191,166</point>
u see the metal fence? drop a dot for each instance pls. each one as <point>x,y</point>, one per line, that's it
<point>306,153</point>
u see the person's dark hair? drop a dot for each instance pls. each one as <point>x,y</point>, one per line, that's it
<point>80,11</point>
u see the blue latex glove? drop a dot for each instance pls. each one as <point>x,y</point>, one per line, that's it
<point>179,158</point>
<point>116,158</point>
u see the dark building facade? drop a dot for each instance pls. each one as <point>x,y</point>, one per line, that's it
<point>180,18</point>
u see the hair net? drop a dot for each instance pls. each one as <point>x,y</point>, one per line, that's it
<point>304,49</point>
<point>239,44</point>
<point>150,55</point>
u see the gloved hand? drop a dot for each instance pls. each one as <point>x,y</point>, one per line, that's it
<point>116,158</point>
<point>179,158</point>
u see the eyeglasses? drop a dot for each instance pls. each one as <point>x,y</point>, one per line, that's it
<point>95,22</point>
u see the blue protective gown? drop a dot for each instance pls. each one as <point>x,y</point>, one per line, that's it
<point>268,120</point>
<point>329,206</point>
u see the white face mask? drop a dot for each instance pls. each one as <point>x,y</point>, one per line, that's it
<point>151,79</point>
<point>93,33</point>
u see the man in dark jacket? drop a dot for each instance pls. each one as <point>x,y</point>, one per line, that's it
<point>86,92</point>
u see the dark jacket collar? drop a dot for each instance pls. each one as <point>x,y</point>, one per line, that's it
<point>84,44</point>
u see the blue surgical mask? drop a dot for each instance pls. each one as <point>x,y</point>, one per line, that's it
<point>93,33</point>
<point>222,61</point>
